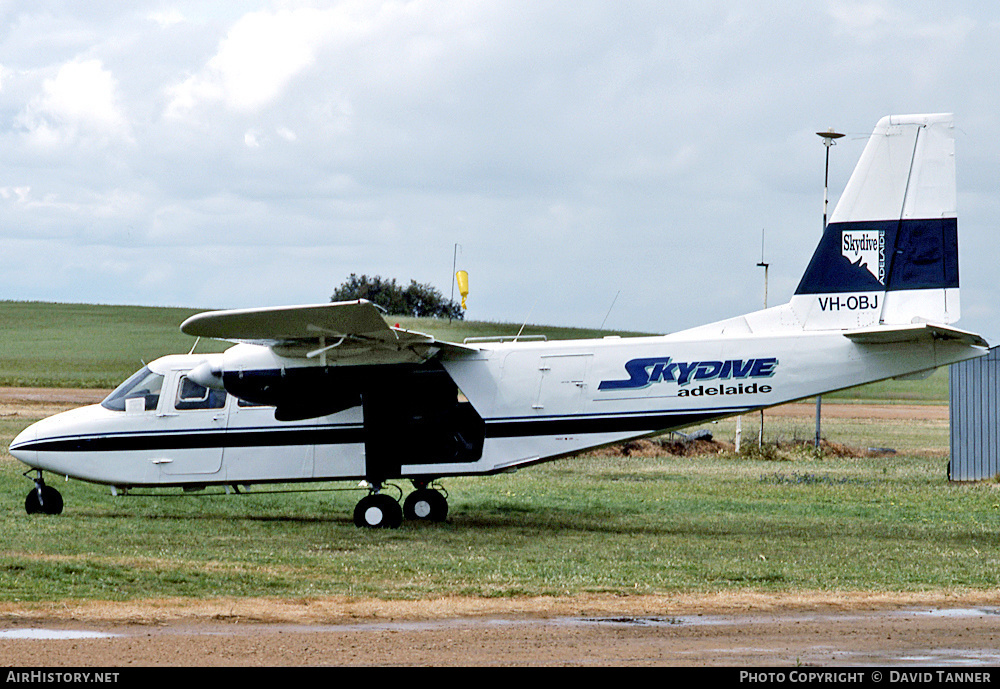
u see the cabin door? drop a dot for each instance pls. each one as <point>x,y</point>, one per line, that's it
<point>191,421</point>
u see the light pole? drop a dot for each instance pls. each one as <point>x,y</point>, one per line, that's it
<point>762,264</point>
<point>454,263</point>
<point>829,139</point>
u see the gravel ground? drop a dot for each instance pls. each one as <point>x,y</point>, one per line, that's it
<point>736,630</point>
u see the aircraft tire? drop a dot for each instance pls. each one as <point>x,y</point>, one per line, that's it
<point>425,504</point>
<point>43,500</point>
<point>378,511</point>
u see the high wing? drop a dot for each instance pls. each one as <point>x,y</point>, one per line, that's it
<point>337,332</point>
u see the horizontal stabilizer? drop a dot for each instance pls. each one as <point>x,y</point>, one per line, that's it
<point>913,333</point>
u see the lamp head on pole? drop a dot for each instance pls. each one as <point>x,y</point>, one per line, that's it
<point>829,136</point>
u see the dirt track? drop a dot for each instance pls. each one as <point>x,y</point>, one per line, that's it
<point>729,630</point>
<point>723,630</point>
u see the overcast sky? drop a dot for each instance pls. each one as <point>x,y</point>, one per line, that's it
<point>593,161</point>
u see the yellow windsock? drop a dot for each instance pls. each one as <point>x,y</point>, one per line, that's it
<point>463,285</point>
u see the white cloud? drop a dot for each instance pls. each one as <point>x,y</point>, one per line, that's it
<point>256,60</point>
<point>871,22</point>
<point>20,194</point>
<point>78,105</point>
<point>167,18</point>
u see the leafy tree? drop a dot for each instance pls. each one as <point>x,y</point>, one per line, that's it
<point>415,300</point>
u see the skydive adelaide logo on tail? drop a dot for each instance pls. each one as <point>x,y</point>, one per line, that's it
<point>647,371</point>
<point>865,248</point>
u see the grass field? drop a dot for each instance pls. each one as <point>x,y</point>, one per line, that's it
<point>592,524</point>
<point>85,345</point>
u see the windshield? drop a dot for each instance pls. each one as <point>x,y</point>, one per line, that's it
<point>143,385</point>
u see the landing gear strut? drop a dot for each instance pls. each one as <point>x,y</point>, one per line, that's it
<point>43,499</point>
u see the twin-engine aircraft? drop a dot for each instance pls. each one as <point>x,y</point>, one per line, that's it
<point>331,392</point>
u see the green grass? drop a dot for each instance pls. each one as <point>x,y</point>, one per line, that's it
<point>86,345</point>
<point>933,390</point>
<point>924,436</point>
<point>619,526</point>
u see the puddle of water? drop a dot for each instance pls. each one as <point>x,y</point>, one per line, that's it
<point>956,612</point>
<point>705,620</point>
<point>951,657</point>
<point>638,621</point>
<point>52,634</point>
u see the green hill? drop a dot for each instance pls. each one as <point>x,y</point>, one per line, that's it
<point>84,345</point>
<point>933,390</point>
<point>97,346</point>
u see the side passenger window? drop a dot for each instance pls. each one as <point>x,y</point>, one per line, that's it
<point>190,395</point>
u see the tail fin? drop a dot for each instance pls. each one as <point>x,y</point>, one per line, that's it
<point>889,254</point>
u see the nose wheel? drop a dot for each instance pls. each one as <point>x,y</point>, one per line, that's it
<point>43,499</point>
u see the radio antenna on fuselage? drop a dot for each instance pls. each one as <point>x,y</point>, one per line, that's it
<point>609,310</point>
<point>526,320</point>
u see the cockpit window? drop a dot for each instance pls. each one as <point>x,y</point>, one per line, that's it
<point>144,385</point>
<point>191,395</point>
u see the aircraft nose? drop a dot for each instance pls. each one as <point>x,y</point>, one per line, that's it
<point>19,446</point>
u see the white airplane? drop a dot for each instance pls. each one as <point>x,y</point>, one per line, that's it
<point>332,392</point>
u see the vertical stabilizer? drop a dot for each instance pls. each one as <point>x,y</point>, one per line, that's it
<point>889,254</point>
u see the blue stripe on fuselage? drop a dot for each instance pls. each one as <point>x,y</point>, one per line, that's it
<point>495,428</point>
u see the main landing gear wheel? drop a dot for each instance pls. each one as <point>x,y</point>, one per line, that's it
<point>43,500</point>
<point>426,504</point>
<point>378,511</point>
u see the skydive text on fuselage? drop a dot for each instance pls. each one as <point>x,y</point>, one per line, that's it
<point>646,371</point>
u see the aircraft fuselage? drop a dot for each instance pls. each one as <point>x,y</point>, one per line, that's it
<point>527,402</point>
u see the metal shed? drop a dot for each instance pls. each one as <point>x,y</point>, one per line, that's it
<point>974,404</point>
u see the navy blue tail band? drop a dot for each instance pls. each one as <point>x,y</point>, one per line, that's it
<point>886,255</point>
